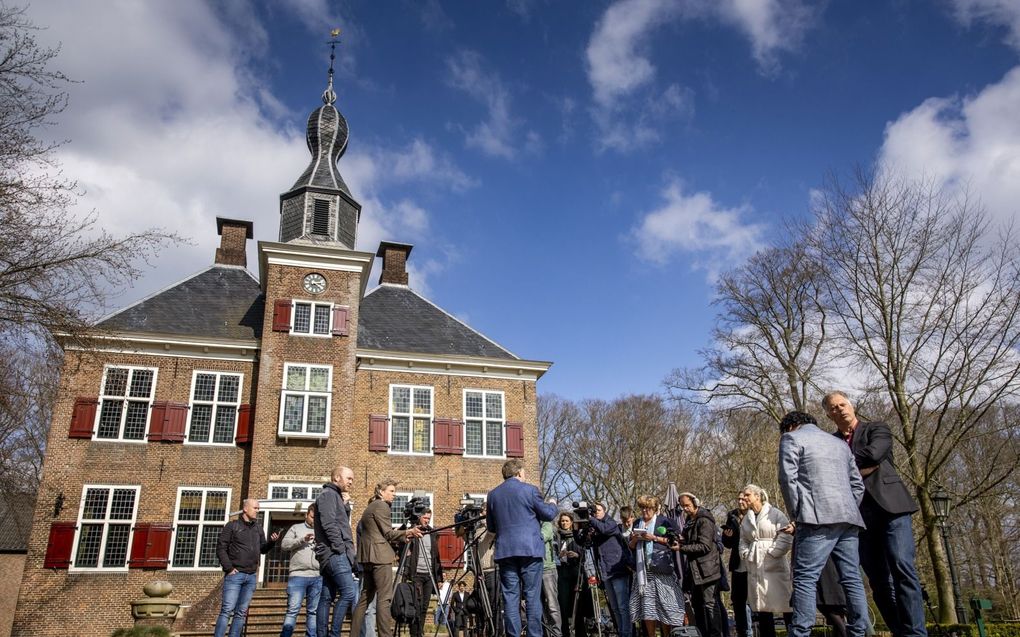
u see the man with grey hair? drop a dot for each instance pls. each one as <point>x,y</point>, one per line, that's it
<point>887,544</point>
<point>822,489</point>
<point>238,549</point>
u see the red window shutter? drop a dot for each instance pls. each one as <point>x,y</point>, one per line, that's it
<point>340,313</point>
<point>58,551</point>
<point>456,437</point>
<point>281,315</point>
<point>157,420</point>
<point>441,435</point>
<point>514,440</point>
<point>243,424</point>
<point>176,421</point>
<point>83,417</point>
<point>151,546</point>
<point>451,549</point>
<point>378,433</point>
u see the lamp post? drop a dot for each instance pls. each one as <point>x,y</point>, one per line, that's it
<point>940,501</point>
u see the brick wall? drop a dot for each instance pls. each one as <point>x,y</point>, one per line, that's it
<point>11,566</point>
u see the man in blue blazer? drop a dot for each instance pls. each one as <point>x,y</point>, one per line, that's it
<point>515,514</point>
<point>822,488</point>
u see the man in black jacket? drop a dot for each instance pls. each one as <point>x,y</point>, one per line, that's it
<point>241,543</point>
<point>421,568</point>
<point>887,544</point>
<point>703,565</point>
<point>334,548</point>
<point>738,572</point>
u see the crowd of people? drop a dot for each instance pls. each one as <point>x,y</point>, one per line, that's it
<point>539,567</point>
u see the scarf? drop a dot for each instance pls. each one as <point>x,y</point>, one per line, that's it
<point>644,553</point>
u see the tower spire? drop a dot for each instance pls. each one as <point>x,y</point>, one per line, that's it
<point>329,95</point>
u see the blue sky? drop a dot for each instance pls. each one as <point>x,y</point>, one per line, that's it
<point>573,175</point>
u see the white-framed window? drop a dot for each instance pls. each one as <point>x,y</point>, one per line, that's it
<point>199,518</point>
<point>305,401</point>
<point>311,318</point>
<point>215,399</point>
<point>294,491</point>
<point>410,419</point>
<point>105,522</point>
<point>400,501</point>
<point>124,401</point>
<point>484,420</point>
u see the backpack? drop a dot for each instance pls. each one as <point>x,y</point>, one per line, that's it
<point>403,607</point>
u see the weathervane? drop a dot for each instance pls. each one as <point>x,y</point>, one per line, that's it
<point>329,95</point>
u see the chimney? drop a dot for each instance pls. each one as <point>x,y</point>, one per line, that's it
<point>234,235</point>
<point>394,262</point>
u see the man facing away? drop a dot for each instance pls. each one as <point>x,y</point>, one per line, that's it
<point>375,553</point>
<point>303,578</point>
<point>334,548</point>
<point>822,489</point>
<point>516,511</point>
<point>887,545</point>
<point>238,549</point>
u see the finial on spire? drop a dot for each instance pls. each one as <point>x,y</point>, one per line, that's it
<point>329,95</point>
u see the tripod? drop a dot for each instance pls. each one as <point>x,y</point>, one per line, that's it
<point>420,599</point>
<point>588,574</point>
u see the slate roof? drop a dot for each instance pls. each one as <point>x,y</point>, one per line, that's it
<point>395,318</point>
<point>15,521</point>
<point>220,302</point>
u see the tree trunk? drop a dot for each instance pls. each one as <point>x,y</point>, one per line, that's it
<point>939,563</point>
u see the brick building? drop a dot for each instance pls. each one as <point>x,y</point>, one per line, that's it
<point>226,386</point>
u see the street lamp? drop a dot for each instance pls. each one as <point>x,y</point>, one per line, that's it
<point>940,501</point>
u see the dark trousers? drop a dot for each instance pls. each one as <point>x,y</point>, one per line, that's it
<point>887,555</point>
<point>422,584</point>
<point>738,595</point>
<point>706,611</point>
<point>767,623</point>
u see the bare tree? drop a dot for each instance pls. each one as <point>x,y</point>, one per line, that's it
<point>926,297</point>
<point>770,334</point>
<point>557,419</point>
<point>56,269</point>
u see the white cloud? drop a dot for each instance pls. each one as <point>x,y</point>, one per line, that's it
<point>497,136</point>
<point>771,26</point>
<point>971,142</point>
<point>697,226</point>
<point>170,127</point>
<point>996,12</point>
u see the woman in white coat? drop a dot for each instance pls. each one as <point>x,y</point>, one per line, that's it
<point>765,550</point>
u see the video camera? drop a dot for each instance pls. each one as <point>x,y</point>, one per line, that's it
<point>582,512</point>
<point>470,510</point>
<point>416,507</point>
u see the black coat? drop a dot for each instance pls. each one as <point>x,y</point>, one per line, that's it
<point>733,519</point>
<point>704,565</point>
<point>872,445</point>
<point>414,550</point>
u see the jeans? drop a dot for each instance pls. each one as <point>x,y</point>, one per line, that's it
<point>519,575</point>
<point>887,555</point>
<point>237,593</point>
<point>738,596</point>
<point>815,543</point>
<point>338,585</point>
<point>618,596</point>
<point>551,602</point>
<point>298,588</point>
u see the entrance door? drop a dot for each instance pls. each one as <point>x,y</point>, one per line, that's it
<point>278,560</point>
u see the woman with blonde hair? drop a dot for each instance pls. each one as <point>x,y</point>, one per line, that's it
<point>655,598</point>
<point>765,550</point>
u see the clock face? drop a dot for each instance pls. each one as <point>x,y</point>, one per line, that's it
<point>315,283</point>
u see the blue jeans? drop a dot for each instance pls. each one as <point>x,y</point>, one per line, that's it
<point>517,575</point>
<point>814,545</point>
<point>887,555</point>
<point>237,593</point>
<point>337,584</point>
<point>618,591</point>
<point>298,588</point>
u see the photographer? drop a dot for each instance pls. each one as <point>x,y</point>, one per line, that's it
<point>655,598</point>
<point>421,567</point>
<point>617,563</point>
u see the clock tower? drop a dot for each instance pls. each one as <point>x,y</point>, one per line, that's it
<point>313,281</point>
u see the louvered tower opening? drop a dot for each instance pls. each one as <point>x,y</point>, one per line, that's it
<point>320,217</point>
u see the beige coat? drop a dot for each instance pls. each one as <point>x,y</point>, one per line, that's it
<point>765,551</point>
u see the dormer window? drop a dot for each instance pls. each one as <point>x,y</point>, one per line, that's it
<point>320,217</point>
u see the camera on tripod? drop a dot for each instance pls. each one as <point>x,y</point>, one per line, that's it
<point>415,508</point>
<point>470,510</point>
<point>582,512</point>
